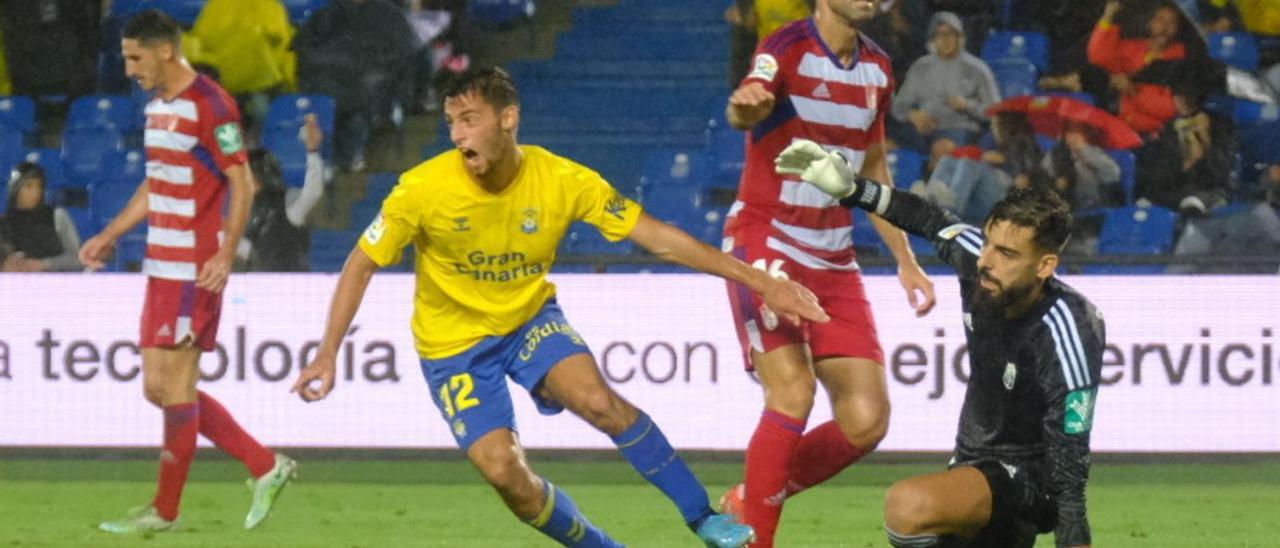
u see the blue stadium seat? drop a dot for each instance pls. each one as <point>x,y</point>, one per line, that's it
<point>1015,78</point>
<point>1137,231</point>
<point>1238,49</point>
<point>184,12</point>
<point>88,152</point>
<point>1251,113</point>
<point>1082,96</point>
<point>301,10</point>
<point>728,149</point>
<point>1258,132</point>
<point>282,130</point>
<point>12,145</point>
<point>906,166</point>
<point>585,239</point>
<point>290,110</point>
<point>500,13</point>
<point>83,220</point>
<point>865,235</point>
<point>106,201</point>
<point>116,112</point>
<point>679,167</point>
<point>50,160</point>
<point>1025,46</point>
<point>1128,172</point>
<point>330,248</point>
<point>18,113</point>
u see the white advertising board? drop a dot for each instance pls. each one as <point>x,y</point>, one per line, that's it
<point>1192,363</point>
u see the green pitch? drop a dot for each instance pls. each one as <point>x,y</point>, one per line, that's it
<point>58,503</point>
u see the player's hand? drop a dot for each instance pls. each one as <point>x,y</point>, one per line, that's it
<point>312,135</point>
<point>94,252</point>
<point>914,280</point>
<point>816,165</point>
<point>214,273</point>
<point>1109,13</point>
<point>793,302</point>
<point>752,101</point>
<point>321,369</point>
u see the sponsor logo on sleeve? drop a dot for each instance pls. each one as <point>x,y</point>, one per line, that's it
<point>764,68</point>
<point>1079,412</point>
<point>228,137</point>
<point>375,231</point>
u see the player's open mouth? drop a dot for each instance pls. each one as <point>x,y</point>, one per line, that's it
<point>469,154</point>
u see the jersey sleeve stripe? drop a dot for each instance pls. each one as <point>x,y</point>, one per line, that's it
<point>1072,370</point>
<point>1076,344</point>
<point>971,244</point>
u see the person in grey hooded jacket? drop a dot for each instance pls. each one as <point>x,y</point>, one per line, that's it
<point>945,94</point>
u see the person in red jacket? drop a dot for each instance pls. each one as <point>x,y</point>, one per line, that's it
<point>1146,107</point>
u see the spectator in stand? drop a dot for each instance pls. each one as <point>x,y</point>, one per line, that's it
<point>741,16</point>
<point>895,30</point>
<point>968,182</point>
<point>977,16</point>
<point>277,239</point>
<point>44,236</point>
<point>6,88</point>
<point>10,260</point>
<point>51,45</point>
<point>771,15</point>
<point>946,93</point>
<point>1188,166</point>
<point>247,41</point>
<point>361,52</point>
<point>1146,107</point>
<point>1082,172</point>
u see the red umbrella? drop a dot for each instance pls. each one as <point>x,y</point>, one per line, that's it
<point>1050,115</point>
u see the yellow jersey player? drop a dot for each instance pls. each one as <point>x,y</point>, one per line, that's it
<point>485,220</point>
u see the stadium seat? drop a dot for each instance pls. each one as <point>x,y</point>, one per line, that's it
<point>282,130</point>
<point>1128,172</point>
<point>499,13</point>
<point>106,201</point>
<point>301,10</point>
<point>12,145</point>
<point>1015,78</point>
<point>1137,231</point>
<point>184,12</point>
<point>728,149</point>
<point>116,112</point>
<point>865,236</point>
<point>88,152</point>
<point>1082,96</point>
<point>50,160</point>
<point>1238,49</point>
<point>585,239</point>
<point>1024,46</point>
<point>679,167</point>
<point>18,113</point>
<point>906,166</point>
<point>83,220</point>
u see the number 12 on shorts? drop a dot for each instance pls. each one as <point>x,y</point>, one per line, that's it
<point>456,394</point>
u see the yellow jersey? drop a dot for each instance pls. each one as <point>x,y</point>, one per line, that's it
<point>481,258</point>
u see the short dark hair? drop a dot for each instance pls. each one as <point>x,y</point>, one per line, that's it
<point>494,84</point>
<point>151,26</point>
<point>1040,209</point>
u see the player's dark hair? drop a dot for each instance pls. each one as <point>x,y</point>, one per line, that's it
<point>1040,209</point>
<point>494,84</point>
<point>151,27</point>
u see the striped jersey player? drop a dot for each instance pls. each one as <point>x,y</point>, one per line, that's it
<point>818,79</point>
<point>195,160</point>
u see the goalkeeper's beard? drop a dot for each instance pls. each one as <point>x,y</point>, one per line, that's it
<point>985,302</point>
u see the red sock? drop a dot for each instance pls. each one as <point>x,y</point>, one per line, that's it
<point>768,459</point>
<point>222,429</point>
<point>821,454</point>
<point>180,424</point>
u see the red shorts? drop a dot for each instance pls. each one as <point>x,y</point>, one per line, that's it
<point>177,313</point>
<point>851,331</point>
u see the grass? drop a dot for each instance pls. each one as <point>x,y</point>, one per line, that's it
<point>57,503</point>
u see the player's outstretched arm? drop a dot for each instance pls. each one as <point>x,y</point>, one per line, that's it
<point>352,283</point>
<point>959,244</point>
<point>94,252</point>
<point>788,299</point>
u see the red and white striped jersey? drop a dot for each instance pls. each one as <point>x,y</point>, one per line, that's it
<point>191,141</point>
<point>817,98</point>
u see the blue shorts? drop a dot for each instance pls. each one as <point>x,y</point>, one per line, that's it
<point>470,388</point>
